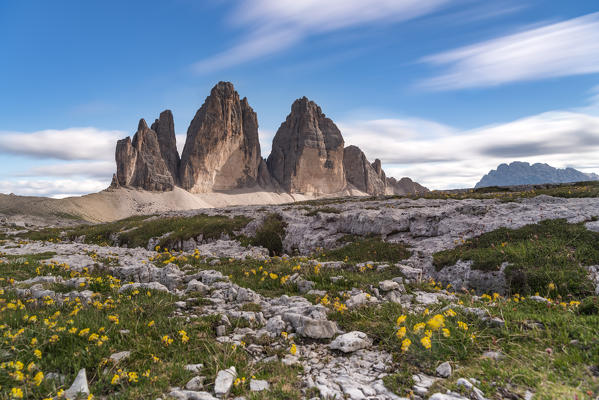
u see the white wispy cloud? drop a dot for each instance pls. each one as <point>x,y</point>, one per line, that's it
<point>91,169</point>
<point>81,161</point>
<point>274,25</point>
<point>67,144</point>
<point>559,49</point>
<point>57,188</point>
<point>444,157</point>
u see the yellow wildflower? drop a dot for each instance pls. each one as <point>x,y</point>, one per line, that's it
<point>426,342</point>
<point>84,332</point>
<point>450,313</point>
<point>419,326</point>
<point>401,319</point>
<point>38,378</point>
<point>401,332</point>
<point>16,393</point>
<point>436,322</point>
<point>133,377</point>
<point>405,345</point>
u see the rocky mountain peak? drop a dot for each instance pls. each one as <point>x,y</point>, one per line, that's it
<point>164,127</point>
<point>140,163</point>
<point>222,150</point>
<point>523,173</point>
<point>360,173</point>
<point>307,151</point>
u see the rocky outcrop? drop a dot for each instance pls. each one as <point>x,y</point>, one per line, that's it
<point>140,163</point>
<point>307,152</point>
<point>164,127</point>
<point>522,173</point>
<point>361,174</point>
<point>404,186</point>
<point>222,150</point>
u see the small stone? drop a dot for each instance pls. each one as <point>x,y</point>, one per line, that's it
<point>444,370</point>
<point>224,381</point>
<point>447,396</point>
<point>79,386</point>
<point>465,382</point>
<point>538,299</point>
<point>190,395</point>
<point>351,342</point>
<point>388,285</point>
<point>290,360</point>
<point>55,376</point>
<point>194,368</point>
<point>493,355</point>
<point>118,357</point>
<point>196,383</point>
<point>259,385</point>
<point>305,286</point>
<point>221,330</point>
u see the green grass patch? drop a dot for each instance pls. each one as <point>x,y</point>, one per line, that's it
<point>368,249</point>
<point>271,234</point>
<point>137,231</point>
<point>550,252</point>
<point>323,210</point>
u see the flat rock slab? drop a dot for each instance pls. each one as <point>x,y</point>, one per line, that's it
<point>351,342</point>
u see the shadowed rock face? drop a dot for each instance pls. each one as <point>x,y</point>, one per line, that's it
<point>164,127</point>
<point>140,163</point>
<point>360,173</point>
<point>307,152</point>
<point>222,150</point>
<point>404,186</point>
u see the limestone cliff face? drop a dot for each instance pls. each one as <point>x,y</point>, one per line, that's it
<point>361,174</point>
<point>307,152</point>
<point>140,163</point>
<point>164,127</point>
<point>222,150</point>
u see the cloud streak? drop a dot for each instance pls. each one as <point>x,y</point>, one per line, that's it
<point>52,188</point>
<point>561,49</point>
<point>275,25</point>
<point>68,144</point>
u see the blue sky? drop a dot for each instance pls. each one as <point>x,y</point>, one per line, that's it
<point>440,90</point>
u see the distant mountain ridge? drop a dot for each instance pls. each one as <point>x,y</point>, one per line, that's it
<point>523,173</point>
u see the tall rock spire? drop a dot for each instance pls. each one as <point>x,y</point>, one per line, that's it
<point>359,172</point>
<point>222,150</point>
<point>140,163</point>
<point>307,152</point>
<point>164,127</point>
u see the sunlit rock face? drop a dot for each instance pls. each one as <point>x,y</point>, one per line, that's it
<point>307,152</point>
<point>222,150</point>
